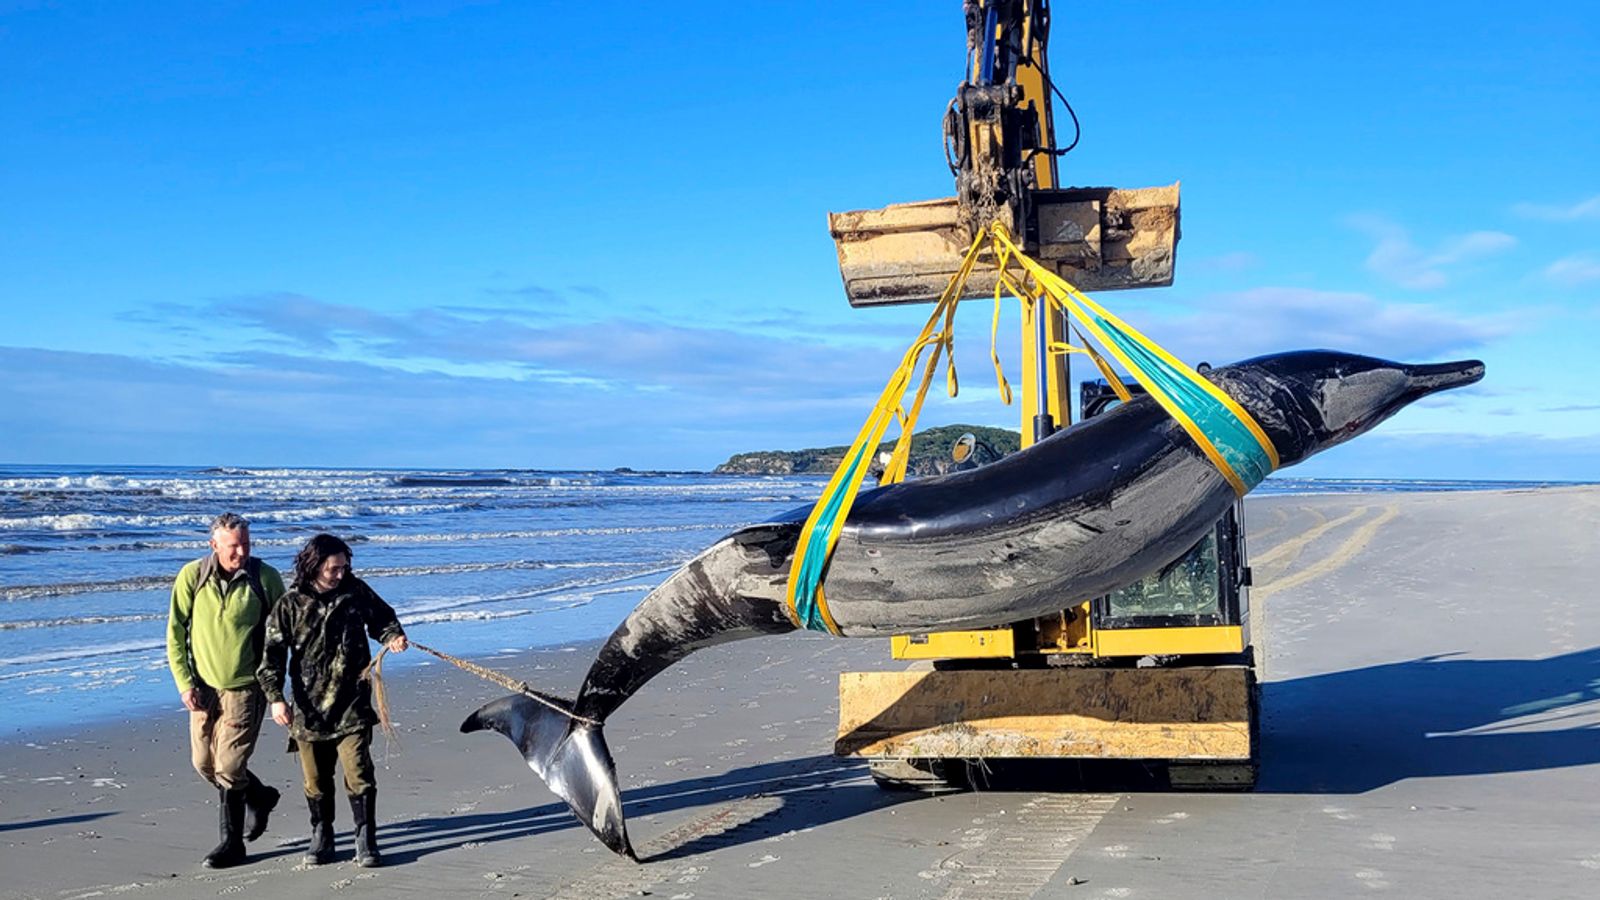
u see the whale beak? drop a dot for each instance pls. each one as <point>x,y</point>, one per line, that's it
<point>1434,377</point>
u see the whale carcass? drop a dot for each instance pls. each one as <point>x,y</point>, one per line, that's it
<point>1090,509</point>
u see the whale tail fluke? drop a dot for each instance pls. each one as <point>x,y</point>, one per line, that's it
<point>570,755</point>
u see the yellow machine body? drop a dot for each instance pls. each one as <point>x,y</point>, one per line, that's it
<point>1200,714</point>
<point>995,643</point>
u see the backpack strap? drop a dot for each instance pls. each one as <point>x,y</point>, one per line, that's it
<point>252,572</point>
<point>258,633</point>
<point>208,568</point>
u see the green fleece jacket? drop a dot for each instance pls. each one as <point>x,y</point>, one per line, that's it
<point>212,634</point>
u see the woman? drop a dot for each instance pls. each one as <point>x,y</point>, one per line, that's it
<point>325,619</point>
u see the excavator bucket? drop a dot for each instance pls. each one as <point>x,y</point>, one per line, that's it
<point>1098,239</point>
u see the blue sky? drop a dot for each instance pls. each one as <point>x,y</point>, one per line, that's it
<point>525,234</point>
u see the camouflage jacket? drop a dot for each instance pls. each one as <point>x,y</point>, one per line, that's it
<point>328,636</point>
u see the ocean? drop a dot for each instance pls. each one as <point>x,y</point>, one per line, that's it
<point>476,562</point>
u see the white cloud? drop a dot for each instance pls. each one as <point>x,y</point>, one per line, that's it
<point>618,354</point>
<point>1398,259</point>
<point>476,385</point>
<point>1580,268</point>
<point>1273,319</point>
<point>1583,209</point>
<point>1573,408</point>
<point>64,407</point>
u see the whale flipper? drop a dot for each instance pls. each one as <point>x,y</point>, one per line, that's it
<point>570,755</point>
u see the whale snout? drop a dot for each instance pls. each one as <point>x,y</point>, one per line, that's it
<point>1309,400</point>
<point>1431,378</point>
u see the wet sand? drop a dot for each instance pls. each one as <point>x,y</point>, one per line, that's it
<point>1429,731</point>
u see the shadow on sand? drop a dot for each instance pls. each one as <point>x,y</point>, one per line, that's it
<point>1353,731</point>
<point>801,793</point>
<point>57,820</point>
<point>1341,732</point>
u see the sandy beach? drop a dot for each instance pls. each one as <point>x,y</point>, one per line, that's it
<point>1428,731</point>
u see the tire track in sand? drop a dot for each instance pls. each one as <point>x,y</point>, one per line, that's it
<point>1341,555</point>
<point>1017,858</point>
<point>1287,552</point>
<point>682,855</point>
<point>624,878</point>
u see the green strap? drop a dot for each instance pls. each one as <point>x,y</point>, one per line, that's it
<point>808,577</point>
<point>1230,437</point>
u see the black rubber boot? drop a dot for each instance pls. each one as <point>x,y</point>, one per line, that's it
<point>259,801</point>
<point>364,807</point>
<point>231,851</point>
<point>320,850</point>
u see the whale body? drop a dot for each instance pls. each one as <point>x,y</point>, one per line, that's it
<point>1091,509</point>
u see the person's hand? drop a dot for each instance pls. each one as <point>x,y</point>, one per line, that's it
<point>281,713</point>
<point>398,644</point>
<point>192,699</point>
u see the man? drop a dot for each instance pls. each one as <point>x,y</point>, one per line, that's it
<point>215,629</point>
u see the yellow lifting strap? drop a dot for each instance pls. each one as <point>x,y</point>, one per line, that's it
<point>1228,435</point>
<point>807,604</point>
<point>1224,431</point>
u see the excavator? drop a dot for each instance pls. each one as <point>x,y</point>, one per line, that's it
<point>1160,673</point>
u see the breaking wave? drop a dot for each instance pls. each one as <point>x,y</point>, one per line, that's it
<point>87,555</point>
<point>67,653</point>
<point>572,600</point>
<point>542,533</point>
<point>103,522</point>
<point>64,589</point>
<point>449,481</point>
<point>430,538</point>
<point>163,582</point>
<point>82,620</point>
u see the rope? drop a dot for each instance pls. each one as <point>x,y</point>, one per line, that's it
<point>374,669</point>
<point>380,699</point>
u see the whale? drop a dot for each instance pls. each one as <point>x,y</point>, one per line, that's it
<point>1090,509</point>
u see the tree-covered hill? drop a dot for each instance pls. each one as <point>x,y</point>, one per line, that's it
<point>930,454</point>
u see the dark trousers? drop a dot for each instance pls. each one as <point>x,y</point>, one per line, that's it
<point>353,753</point>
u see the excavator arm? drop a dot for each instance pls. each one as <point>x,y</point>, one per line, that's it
<point>1000,144</point>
